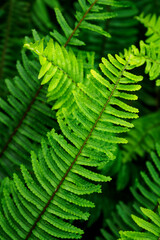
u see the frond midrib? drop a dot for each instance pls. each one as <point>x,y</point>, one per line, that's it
<point>146,57</point>
<point>148,25</point>
<point>79,152</point>
<point>153,29</point>
<point>59,68</point>
<point>38,91</point>
<point>21,121</point>
<point>75,29</point>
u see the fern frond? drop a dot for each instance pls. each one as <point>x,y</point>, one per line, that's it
<point>91,97</point>
<point>146,54</point>
<point>152,23</point>
<point>40,16</point>
<point>122,29</point>
<point>47,202</point>
<point>61,69</point>
<point>14,26</point>
<point>88,10</point>
<point>61,167</point>
<point>141,139</point>
<point>140,220</point>
<point>24,118</point>
<point>152,228</point>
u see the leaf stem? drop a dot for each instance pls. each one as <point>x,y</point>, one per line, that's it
<point>20,122</point>
<point>68,40</point>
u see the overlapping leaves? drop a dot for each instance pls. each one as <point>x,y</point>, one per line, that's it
<point>141,139</point>
<point>24,118</point>
<point>14,16</point>
<point>139,220</point>
<point>87,14</point>
<point>91,127</point>
<point>61,69</point>
<point>152,23</point>
<point>149,55</point>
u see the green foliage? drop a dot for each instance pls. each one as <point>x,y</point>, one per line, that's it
<point>40,16</point>
<point>62,77</point>
<point>123,29</point>
<point>17,18</point>
<point>87,10</point>
<point>65,122</point>
<point>152,23</point>
<point>56,191</point>
<point>14,16</point>
<point>139,220</point>
<point>148,6</point>
<point>84,120</point>
<point>149,55</point>
<point>25,117</point>
<point>142,138</point>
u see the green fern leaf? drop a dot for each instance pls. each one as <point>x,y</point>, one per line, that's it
<point>97,110</point>
<point>122,29</point>
<point>61,69</point>
<point>52,198</point>
<point>149,55</point>
<point>90,98</point>
<point>143,137</point>
<point>141,220</point>
<point>14,25</point>
<point>84,14</point>
<point>152,23</point>
<point>40,17</point>
<point>25,117</point>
